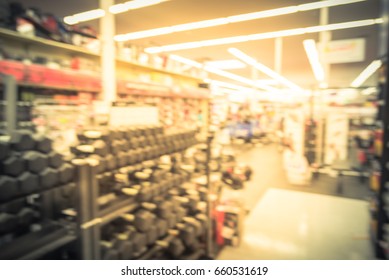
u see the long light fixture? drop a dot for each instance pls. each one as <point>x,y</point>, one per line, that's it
<point>132,5</point>
<point>85,16</point>
<point>228,64</point>
<point>262,36</point>
<point>230,19</point>
<point>314,60</point>
<point>365,74</point>
<point>251,61</point>
<point>226,85</point>
<point>115,9</point>
<point>222,73</point>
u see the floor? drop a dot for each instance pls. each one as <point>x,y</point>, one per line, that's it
<point>299,222</point>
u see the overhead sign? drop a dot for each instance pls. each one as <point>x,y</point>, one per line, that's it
<point>345,51</point>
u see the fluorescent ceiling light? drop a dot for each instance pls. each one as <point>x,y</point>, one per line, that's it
<point>85,16</point>
<point>262,36</point>
<point>313,57</point>
<point>226,64</point>
<point>269,82</point>
<point>365,74</point>
<point>227,85</point>
<point>323,4</point>
<point>230,19</point>
<point>132,5</point>
<point>251,61</point>
<point>369,91</point>
<point>186,61</point>
<point>222,73</point>
<point>115,9</point>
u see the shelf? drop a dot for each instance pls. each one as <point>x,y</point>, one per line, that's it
<point>37,244</point>
<point>40,191</point>
<point>119,208</point>
<point>153,69</point>
<point>157,90</point>
<point>10,34</point>
<point>40,76</point>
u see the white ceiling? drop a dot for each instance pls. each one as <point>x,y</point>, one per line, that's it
<point>295,65</point>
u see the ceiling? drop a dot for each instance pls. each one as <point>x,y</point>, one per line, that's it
<point>294,66</point>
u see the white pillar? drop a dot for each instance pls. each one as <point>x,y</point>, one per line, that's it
<point>108,52</point>
<point>324,39</point>
<point>278,55</point>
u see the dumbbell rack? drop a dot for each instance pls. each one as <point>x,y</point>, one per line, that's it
<point>94,218</point>
<point>54,233</point>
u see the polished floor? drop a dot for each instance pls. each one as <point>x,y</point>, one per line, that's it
<point>290,223</point>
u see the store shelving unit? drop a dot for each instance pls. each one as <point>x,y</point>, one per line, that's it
<point>41,77</point>
<point>380,177</point>
<point>42,42</point>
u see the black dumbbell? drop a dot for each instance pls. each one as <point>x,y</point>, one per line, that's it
<point>162,227</point>
<point>130,133</point>
<point>142,219</point>
<point>124,246</point>
<point>139,240</point>
<point>28,183</point>
<point>14,165</point>
<point>65,173</point>
<point>8,188</point>
<point>116,147</point>
<point>172,244</point>
<point>196,224</point>
<point>22,140</point>
<point>55,159</point>
<point>187,234</point>
<point>176,247</point>
<point>48,178</point>
<point>5,149</point>
<point>98,147</point>
<point>111,162</point>
<point>122,159</point>
<point>8,222</point>
<point>26,216</point>
<point>43,144</point>
<point>99,162</point>
<point>134,143</point>
<point>152,234</point>
<point>165,211</point>
<point>35,161</point>
<point>116,133</point>
<point>144,192</point>
<point>108,252</point>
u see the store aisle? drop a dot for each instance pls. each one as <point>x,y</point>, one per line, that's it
<point>266,162</point>
<point>299,222</point>
<point>297,225</point>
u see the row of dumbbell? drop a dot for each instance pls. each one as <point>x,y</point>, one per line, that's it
<point>136,181</point>
<point>132,234</point>
<point>17,222</point>
<point>18,216</point>
<point>149,144</point>
<point>110,135</point>
<point>29,165</point>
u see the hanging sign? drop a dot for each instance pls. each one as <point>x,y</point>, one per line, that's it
<point>345,51</point>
